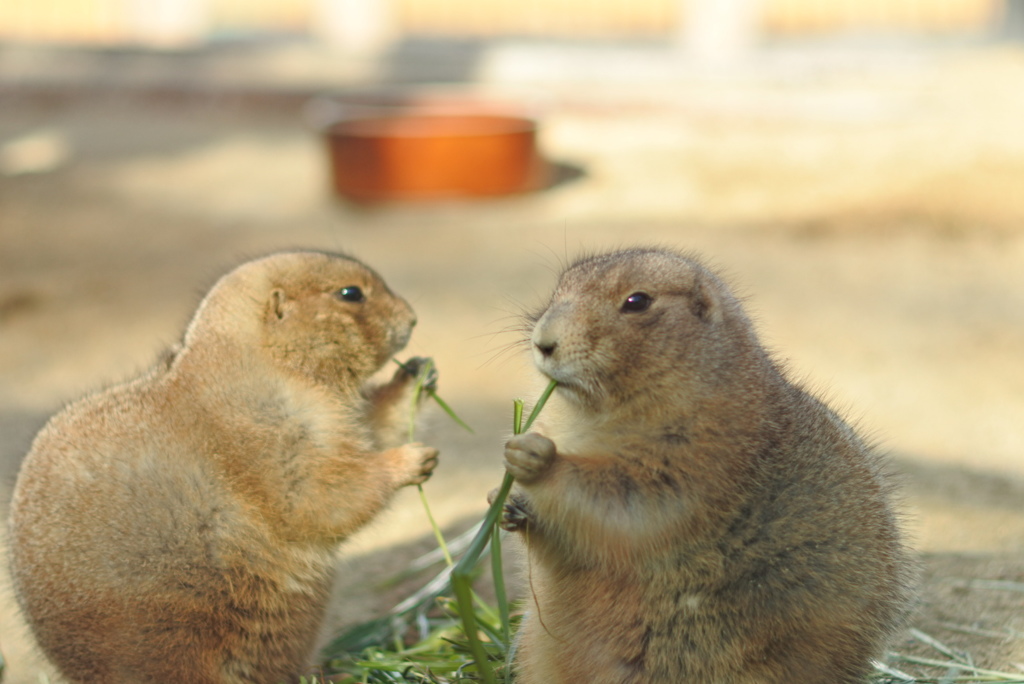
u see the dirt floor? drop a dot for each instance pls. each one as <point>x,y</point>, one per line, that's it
<point>872,211</point>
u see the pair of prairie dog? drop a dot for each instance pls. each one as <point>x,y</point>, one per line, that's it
<point>689,515</point>
<point>181,527</point>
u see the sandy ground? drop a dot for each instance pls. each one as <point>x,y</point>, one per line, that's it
<point>872,212</point>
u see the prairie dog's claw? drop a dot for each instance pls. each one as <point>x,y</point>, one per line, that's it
<point>414,366</point>
<point>421,460</point>
<point>514,516</point>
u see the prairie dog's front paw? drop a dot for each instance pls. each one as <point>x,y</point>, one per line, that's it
<point>420,461</point>
<point>528,456</point>
<point>514,512</point>
<point>413,368</point>
<point>515,515</point>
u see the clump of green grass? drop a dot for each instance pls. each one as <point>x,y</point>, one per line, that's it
<point>444,633</point>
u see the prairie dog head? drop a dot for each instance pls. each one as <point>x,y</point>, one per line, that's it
<point>628,327</point>
<point>325,316</point>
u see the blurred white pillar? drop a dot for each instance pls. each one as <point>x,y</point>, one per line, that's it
<point>360,26</point>
<point>166,23</point>
<point>718,32</point>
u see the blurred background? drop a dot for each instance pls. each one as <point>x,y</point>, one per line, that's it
<point>371,24</point>
<point>856,169</point>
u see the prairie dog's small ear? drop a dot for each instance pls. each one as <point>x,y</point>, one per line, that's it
<point>276,304</point>
<point>703,303</point>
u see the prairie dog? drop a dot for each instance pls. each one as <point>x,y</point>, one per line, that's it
<point>181,527</point>
<point>689,514</point>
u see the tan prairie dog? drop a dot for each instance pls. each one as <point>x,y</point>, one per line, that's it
<point>690,515</point>
<point>181,527</point>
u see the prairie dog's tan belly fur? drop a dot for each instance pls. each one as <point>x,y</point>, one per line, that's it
<point>689,514</point>
<point>181,527</point>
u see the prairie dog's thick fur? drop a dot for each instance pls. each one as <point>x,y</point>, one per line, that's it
<point>689,514</point>
<point>181,527</point>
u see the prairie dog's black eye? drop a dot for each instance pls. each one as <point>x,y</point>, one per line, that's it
<point>350,293</point>
<point>637,302</point>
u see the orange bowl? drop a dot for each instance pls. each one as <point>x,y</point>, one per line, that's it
<point>424,154</point>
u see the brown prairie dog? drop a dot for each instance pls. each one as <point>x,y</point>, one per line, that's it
<point>181,527</point>
<point>689,514</point>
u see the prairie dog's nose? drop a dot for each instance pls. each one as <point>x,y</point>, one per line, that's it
<point>546,332</point>
<point>545,346</point>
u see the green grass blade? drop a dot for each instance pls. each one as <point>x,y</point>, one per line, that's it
<point>517,416</point>
<point>462,573</point>
<point>540,404</point>
<point>417,390</point>
<point>421,377</point>
<point>461,585</point>
<point>494,634</point>
<point>978,674</point>
<point>476,548</point>
<point>434,526</point>
<point>498,573</point>
<point>451,413</point>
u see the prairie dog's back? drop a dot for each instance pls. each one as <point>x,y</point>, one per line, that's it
<point>690,514</point>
